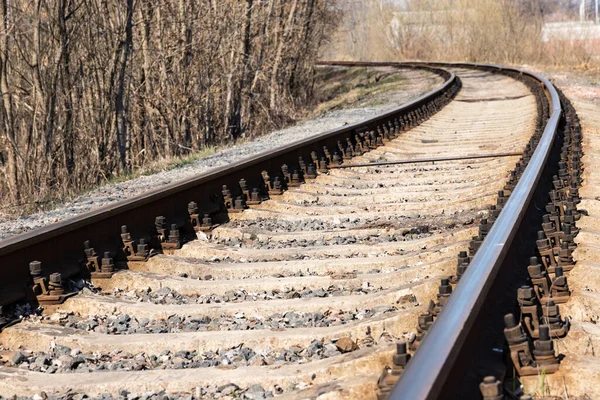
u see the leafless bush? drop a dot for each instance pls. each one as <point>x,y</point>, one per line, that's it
<point>92,88</point>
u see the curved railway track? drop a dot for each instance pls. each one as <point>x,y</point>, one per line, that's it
<point>311,278</point>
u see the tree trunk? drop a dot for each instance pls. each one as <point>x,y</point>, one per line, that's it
<point>125,47</point>
<point>7,107</point>
<point>278,58</point>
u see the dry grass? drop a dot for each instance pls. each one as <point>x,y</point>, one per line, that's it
<point>344,87</point>
<point>497,31</point>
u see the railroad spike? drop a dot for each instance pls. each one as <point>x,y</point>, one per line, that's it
<point>47,290</point>
<point>193,211</point>
<point>546,252</point>
<point>244,188</point>
<point>239,204</point>
<point>295,179</point>
<point>314,157</point>
<point>231,205</point>
<point>390,376</point>
<point>170,240</point>
<point>530,310</point>
<point>302,165</point>
<point>444,292</point>
<point>493,214</point>
<point>424,323</point>
<point>551,314</point>
<point>327,154</point>
<point>255,197</point>
<point>560,292</point>
<point>206,224</point>
<point>520,347</point>
<point>132,251</point>
<point>287,177</point>
<point>92,259</point>
<point>336,159</point>
<point>274,188</point>
<point>565,257</point>
<point>311,172</point>
<point>543,351</point>
<point>539,279</point>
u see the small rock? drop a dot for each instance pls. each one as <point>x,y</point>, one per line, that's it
<point>255,392</point>
<point>60,350</point>
<point>165,291</point>
<point>67,361</point>
<point>122,319</point>
<point>18,358</point>
<point>346,345</point>
<point>228,389</point>
<point>330,350</point>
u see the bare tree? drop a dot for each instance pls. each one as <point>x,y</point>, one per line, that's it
<point>94,88</point>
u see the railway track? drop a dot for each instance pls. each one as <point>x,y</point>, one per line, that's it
<point>305,279</point>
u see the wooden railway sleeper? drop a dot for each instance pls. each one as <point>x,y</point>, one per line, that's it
<point>48,290</point>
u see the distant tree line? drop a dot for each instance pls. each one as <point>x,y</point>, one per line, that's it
<point>93,88</point>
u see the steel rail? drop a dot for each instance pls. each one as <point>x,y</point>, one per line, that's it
<point>60,246</point>
<point>426,372</point>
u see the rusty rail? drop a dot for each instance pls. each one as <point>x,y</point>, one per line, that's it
<point>427,373</point>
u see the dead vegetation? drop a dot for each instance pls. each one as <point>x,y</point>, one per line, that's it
<point>497,31</point>
<point>95,88</point>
